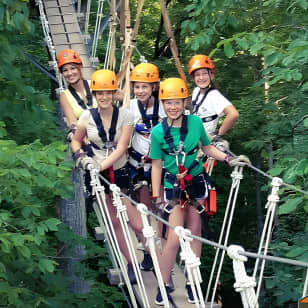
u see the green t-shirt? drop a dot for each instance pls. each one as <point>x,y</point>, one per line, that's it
<point>195,135</point>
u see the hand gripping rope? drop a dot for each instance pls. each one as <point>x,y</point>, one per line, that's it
<point>104,219</point>
<point>192,264</point>
<point>271,204</point>
<point>243,283</point>
<point>237,176</point>
<point>149,235</point>
<point>122,215</point>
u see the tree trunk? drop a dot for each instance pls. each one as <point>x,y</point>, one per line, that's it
<point>73,214</point>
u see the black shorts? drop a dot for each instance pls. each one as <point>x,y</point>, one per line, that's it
<point>197,189</point>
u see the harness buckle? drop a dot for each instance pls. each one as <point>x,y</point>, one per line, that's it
<point>109,145</point>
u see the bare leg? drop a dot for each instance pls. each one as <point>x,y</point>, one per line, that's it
<point>170,249</point>
<point>118,229</point>
<point>194,225</point>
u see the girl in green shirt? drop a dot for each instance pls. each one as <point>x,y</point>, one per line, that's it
<point>174,146</point>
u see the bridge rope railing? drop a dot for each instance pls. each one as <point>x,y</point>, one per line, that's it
<point>244,284</point>
<point>49,42</point>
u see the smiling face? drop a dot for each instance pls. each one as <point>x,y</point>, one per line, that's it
<point>203,77</point>
<point>143,91</point>
<point>71,72</point>
<point>104,99</point>
<point>173,108</point>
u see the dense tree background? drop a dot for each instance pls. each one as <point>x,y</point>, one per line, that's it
<point>260,49</point>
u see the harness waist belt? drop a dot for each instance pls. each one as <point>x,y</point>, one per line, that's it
<point>209,119</point>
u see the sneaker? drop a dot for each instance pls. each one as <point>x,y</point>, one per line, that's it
<point>190,296</point>
<point>147,263</point>
<point>159,299</point>
<point>131,274</point>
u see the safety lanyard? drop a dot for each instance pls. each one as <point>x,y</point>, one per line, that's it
<point>170,142</point>
<point>145,117</point>
<point>79,100</point>
<point>194,102</point>
<point>108,142</point>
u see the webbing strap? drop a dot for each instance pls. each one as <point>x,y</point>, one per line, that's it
<point>169,139</point>
<point>79,100</point>
<point>100,127</point>
<point>145,117</point>
<point>194,102</point>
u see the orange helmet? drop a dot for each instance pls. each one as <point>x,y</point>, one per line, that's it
<point>104,80</point>
<point>145,72</point>
<point>173,88</point>
<point>200,61</point>
<point>68,56</point>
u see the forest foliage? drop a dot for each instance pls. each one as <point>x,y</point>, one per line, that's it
<point>255,45</point>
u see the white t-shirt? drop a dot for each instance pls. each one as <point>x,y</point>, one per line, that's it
<point>141,141</point>
<point>214,104</point>
<point>86,120</point>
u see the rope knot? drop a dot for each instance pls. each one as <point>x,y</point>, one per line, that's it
<point>244,283</point>
<point>233,253</point>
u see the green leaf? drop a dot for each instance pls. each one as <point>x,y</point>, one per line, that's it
<point>18,239</point>
<point>24,251</point>
<point>295,252</point>
<point>306,227</point>
<point>275,171</point>
<point>303,4</point>
<point>290,205</point>
<point>229,52</point>
<point>52,224</point>
<point>46,265</point>
<point>305,86</point>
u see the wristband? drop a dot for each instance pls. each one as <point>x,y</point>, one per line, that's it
<point>154,197</point>
<point>227,158</point>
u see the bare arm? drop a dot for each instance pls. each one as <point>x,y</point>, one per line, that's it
<point>211,151</point>
<point>67,109</point>
<point>156,173</point>
<point>231,117</point>
<point>120,149</point>
<point>78,137</point>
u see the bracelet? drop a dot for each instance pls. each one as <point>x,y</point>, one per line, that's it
<point>79,153</point>
<point>227,158</point>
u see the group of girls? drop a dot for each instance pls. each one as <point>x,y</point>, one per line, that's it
<point>162,161</point>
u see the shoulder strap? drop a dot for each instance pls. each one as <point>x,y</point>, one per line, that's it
<point>100,127</point>
<point>194,102</point>
<point>155,112</point>
<point>167,134</point>
<point>79,100</point>
<point>88,93</point>
<point>145,118</point>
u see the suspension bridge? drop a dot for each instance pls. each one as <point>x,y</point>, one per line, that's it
<point>65,25</point>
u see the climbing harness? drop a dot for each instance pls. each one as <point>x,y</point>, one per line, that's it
<point>108,142</point>
<point>179,191</point>
<point>145,118</point>
<point>196,105</point>
<point>79,100</point>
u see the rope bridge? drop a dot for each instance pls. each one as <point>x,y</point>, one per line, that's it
<point>61,30</point>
